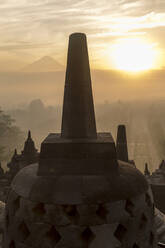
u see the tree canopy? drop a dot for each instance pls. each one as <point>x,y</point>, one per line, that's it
<point>11,136</point>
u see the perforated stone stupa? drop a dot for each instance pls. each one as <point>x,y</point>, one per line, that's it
<point>79,195</point>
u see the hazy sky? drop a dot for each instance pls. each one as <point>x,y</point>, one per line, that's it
<point>30,29</point>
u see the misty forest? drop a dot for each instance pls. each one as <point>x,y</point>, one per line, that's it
<point>36,104</point>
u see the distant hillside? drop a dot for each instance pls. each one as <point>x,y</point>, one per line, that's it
<point>45,64</point>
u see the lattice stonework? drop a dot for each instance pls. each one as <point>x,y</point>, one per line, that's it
<point>123,224</point>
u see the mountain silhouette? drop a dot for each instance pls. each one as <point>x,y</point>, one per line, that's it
<point>45,64</point>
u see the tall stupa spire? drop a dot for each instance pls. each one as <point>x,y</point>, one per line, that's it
<point>121,144</point>
<point>78,119</point>
<point>146,170</point>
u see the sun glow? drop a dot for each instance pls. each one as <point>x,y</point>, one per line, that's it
<point>133,55</point>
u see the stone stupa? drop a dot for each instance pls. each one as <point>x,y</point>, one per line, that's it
<point>79,195</point>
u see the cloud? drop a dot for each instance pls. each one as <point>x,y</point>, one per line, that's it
<point>47,23</point>
<point>23,46</point>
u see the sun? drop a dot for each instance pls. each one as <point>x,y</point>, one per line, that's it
<point>133,55</point>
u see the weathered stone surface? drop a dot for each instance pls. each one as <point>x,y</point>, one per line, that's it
<point>61,156</point>
<point>115,223</point>
<point>104,236</point>
<point>158,190</point>
<point>85,211</point>
<point>89,215</point>
<point>79,189</point>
